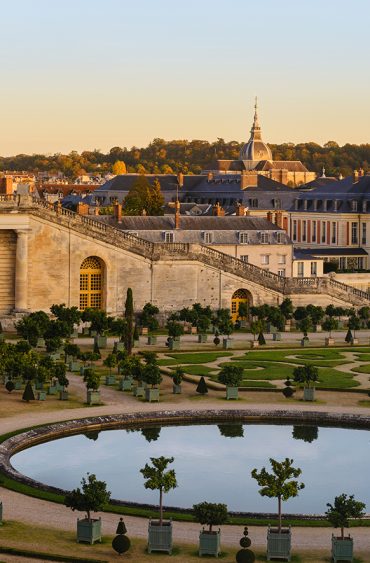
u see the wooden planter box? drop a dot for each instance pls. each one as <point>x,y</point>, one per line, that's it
<point>63,395</point>
<point>41,396</point>
<point>202,338</point>
<point>305,341</point>
<point>125,384</point>
<point>159,537</point>
<point>144,330</point>
<point>354,341</point>
<point>75,366</point>
<point>88,532</point>
<point>101,341</point>
<point>232,393</point>
<point>93,333</point>
<point>40,343</point>
<point>279,544</point>
<point>317,328</point>
<point>176,389</point>
<point>110,380</point>
<point>329,341</point>
<point>52,390</point>
<point>287,327</point>
<point>74,334</point>
<point>119,346</point>
<point>341,550</point>
<point>152,394</point>
<point>55,356</point>
<point>138,391</point>
<point>93,397</point>
<point>254,343</point>
<point>209,543</point>
<point>85,330</point>
<point>39,385</point>
<point>309,393</point>
<point>174,344</point>
<point>17,385</point>
<point>227,343</point>
<point>152,340</point>
<point>276,336</point>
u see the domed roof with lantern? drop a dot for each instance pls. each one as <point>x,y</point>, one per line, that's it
<point>255,149</point>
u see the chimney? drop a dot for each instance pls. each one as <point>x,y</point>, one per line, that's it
<point>355,175</point>
<point>143,213</point>
<point>269,216</point>
<point>209,176</point>
<point>82,208</point>
<point>117,208</point>
<point>6,185</point>
<point>361,172</point>
<point>217,210</point>
<point>177,215</point>
<point>243,180</point>
<point>240,210</point>
<point>279,219</point>
<point>96,210</point>
<point>180,179</point>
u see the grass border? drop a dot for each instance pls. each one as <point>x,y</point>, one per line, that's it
<point>48,556</point>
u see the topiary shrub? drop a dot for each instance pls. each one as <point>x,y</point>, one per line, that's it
<point>202,386</point>
<point>210,514</point>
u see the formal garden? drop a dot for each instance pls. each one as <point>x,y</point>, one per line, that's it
<point>68,361</point>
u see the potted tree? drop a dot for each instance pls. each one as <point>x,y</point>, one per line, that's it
<point>60,374</point>
<point>339,514</point>
<point>210,514</point>
<point>71,353</point>
<point>203,324</point>
<point>305,326</point>
<point>153,378</point>
<point>92,380</point>
<point>354,324</point>
<point>177,379</point>
<point>280,484</point>
<point>110,362</point>
<point>231,377</point>
<point>306,375</point>
<point>225,326</point>
<point>119,327</point>
<point>91,497</point>
<point>255,328</point>
<point>216,340</point>
<point>330,324</point>
<point>175,330</point>
<point>157,478</point>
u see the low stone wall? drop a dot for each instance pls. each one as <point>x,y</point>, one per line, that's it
<point>30,438</point>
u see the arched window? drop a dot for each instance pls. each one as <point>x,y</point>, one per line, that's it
<point>240,296</point>
<point>91,283</point>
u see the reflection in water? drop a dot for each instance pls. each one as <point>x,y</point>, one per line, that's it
<point>306,433</point>
<point>209,465</point>
<point>94,435</point>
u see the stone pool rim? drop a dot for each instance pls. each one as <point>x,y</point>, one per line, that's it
<point>25,439</point>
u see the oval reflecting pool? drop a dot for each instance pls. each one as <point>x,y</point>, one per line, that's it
<point>212,462</point>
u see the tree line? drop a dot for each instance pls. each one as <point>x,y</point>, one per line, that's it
<point>189,157</point>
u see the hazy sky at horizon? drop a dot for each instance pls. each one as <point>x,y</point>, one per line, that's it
<point>85,74</point>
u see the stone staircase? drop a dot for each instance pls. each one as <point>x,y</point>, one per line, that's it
<point>89,226</point>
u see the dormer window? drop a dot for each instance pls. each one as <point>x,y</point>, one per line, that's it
<point>335,205</point>
<point>243,238</point>
<point>253,202</point>
<point>168,236</point>
<point>279,237</point>
<point>276,203</point>
<point>264,238</point>
<point>354,205</point>
<point>315,204</point>
<point>324,205</point>
<point>305,205</point>
<point>207,237</point>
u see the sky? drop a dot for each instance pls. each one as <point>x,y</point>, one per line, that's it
<point>94,74</point>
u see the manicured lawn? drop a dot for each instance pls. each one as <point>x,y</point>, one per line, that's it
<point>167,362</point>
<point>198,370</point>
<point>362,369</point>
<point>199,358</point>
<point>300,356</point>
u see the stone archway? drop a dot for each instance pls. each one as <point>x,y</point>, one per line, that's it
<point>239,296</point>
<point>91,283</point>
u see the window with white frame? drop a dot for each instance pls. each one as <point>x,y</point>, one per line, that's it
<point>279,237</point>
<point>281,273</point>
<point>313,268</point>
<point>354,205</point>
<point>323,231</point>
<point>314,231</point>
<point>244,258</point>
<point>304,231</point>
<point>281,258</point>
<point>294,231</point>
<point>300,269</point>
<point>354,233</point>
<point>207,237</point>
<point>265,259</point>
<point>264,238</point>
<point>168,236</point>
<point>363,235</point>
<point>243,238</point>
<point>334,232</point>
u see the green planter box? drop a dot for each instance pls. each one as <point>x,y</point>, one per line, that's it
<point>276,336</point>
<point>125,384</point>
<point>174,344</point>
<point>152,340</point>
<point>110,380</point>
<point>209,543</point>
<point>119,346</point>
<point>52,390</point>
<point>18,385</point>
<point>85,331</point>
<point>41,396</point>
<point>279,544</point>
<point>2,337</point>
<point>55,356</point>
<point>202,338</point>
<point>93,397</point>
<point>75,366</point>
<point>232,393</point>
<point>63,395</point>
<point>329,341</point>
<point>93,333</point>
<point>88,532</point>
<point>39,385</point>
<point>309,393</point>
<point>159,537</point>
<point>40,343</point>
<point>101,341</point>
<point>341,550</point>
<point>227,343</point>
<point>74,334</point>
<point>317,328</point>
<point>83,368</point>
<point>176,389</point>
<point>152,394</point>
<point>138,391</point>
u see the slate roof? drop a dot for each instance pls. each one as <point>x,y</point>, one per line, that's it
<point>334,251</point>
<point>337,196</point>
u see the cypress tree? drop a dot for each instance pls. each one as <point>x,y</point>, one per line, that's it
<point>129,316</point>
<point>202,386</point>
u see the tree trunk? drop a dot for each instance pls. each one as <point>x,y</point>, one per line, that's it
<point>279,512</point>
<point>160,506</point>
<point>88,515</point>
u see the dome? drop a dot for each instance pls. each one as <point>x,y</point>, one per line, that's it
<point>255,149</point>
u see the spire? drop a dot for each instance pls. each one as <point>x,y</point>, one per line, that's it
<point>256,129</point>
<point>255,149</point>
